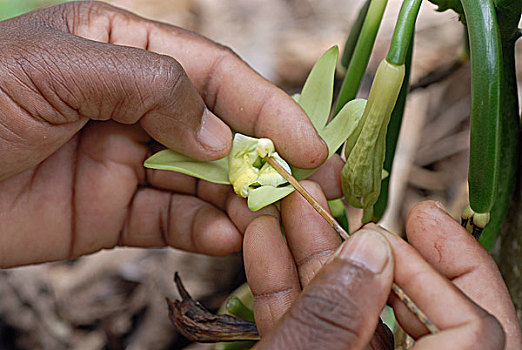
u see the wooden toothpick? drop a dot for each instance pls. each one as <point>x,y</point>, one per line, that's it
<point>339,229</point>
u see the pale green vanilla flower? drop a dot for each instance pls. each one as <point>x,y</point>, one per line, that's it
<point>363,171</point>
<point>247,169</point>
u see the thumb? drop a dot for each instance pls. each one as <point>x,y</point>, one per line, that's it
<point>340,308</point>
<point>58,81</point>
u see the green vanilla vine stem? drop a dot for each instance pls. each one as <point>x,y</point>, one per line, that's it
<point>353,37</point>
<point>403,33</point>
<point>344,235</point>
<point>361,54</point>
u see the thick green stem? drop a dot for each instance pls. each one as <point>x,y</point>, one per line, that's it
<point>403,32</point>
<point>355,31</point>
<point>361,54</point>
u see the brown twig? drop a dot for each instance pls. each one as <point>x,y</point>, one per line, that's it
<point>338,228</point>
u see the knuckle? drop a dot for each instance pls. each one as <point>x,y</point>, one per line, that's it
<point>84,7</point>
<point>172,69</point>
<point>173,91</point>
<point>225,51</point>
<point>167,74</point>
<point>223,56</point>
<point>26,83</point>
<point>70,16</point>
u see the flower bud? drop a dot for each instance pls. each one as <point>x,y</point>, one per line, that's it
<point>365,148</point>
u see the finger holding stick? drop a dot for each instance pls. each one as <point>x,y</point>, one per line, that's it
<point>338,228</point>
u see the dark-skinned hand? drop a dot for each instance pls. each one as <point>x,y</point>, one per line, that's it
<point>311,294</point>
<point>85,88</point>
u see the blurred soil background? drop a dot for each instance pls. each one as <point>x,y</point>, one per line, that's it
<point>115,299</point>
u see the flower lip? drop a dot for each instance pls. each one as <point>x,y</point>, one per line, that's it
<point>247,168</point>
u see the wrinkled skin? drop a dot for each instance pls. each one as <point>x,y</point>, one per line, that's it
<point>87,92</point>
<point>85,88</point>
<point>311,294</point>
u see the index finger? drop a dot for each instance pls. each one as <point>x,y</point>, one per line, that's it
<point>311,239</point>
<point>452,251</point>
<point>230,88</point>
<point>448,308</point>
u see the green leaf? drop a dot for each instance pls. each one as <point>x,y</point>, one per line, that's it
<point>337,131</point>
<point>214,171</point>
<point>444,5</point>
<point>316,96</point>
<point>340,128</point>
<point>361,55</point>
<point>266,195</point>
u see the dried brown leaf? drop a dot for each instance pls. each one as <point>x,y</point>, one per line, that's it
<point>199,325</point>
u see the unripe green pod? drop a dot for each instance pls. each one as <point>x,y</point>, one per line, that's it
<point>486,104</point>
<point>365,148</point>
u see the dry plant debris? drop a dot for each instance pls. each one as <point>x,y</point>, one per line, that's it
<point>199,325</point>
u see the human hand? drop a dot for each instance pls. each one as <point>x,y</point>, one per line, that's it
<point>85,88</point>
<point>339,309</point>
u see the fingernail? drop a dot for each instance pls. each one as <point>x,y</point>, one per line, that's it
<point>214,134</point>
<point>367,248</point>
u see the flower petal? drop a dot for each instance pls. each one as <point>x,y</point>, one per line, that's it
<point>266,195</point>
<point>317,94</point>
<point>215,171</point>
